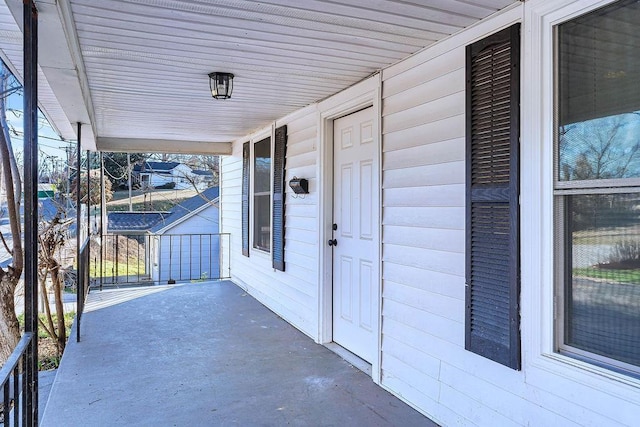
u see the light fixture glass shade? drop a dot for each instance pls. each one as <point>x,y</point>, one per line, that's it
<point>221,85</point>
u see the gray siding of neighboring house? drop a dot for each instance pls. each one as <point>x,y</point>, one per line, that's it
<point>189,250</point>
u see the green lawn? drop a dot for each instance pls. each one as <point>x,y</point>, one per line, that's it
<point>48,357</point>
<point>158,205</point>
<point>618,276</point>
<point>68,321</point>
<point>158,200</point>
<point>134,267</point>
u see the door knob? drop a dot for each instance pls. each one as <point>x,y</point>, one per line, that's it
<point>333,242</point>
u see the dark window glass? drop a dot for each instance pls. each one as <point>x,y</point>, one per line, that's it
<point>599,94</point>
<point>262,195</point>
<point>598,222</point>
<point>603,294</point>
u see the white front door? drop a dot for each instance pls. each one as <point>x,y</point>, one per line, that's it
<point>355,207</point>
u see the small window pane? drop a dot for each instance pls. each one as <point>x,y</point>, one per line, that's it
<point>262,215</point>
<point>599,94</point>
<point>262,166</point>
<point>603,295</point>
<point>604,148</point>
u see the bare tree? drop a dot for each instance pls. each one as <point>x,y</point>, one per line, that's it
<point>600,149</point>
<point>9,276</point>
<point>596,150</point>
<point>52,236</point>
<point>94,190</point>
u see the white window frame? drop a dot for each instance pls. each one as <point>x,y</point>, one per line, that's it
<point>539,299</point>
<point>562,189</point>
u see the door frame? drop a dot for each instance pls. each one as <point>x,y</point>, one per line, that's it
<point>360,96</point>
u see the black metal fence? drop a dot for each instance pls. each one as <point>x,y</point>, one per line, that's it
<point>17,399</point>
<point>121,259</point>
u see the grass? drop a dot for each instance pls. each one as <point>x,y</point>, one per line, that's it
<point>161,200</point>
<point>68,320</point>
<point>203,278</point>
<point>133,267</point>
<point>48,357</point>
<point>602,236</point>
<point>612,275</point>
<point>124,194</point>
<point>158,205</point>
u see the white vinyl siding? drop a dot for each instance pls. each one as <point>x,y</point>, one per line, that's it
<point>423,359</point>
<point>423,226</point>
<point>423,355</point>
<point>293,293</point>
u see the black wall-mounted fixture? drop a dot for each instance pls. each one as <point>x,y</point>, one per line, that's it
<point>299,185</point>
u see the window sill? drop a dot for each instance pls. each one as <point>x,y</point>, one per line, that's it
<point>261,253</point>
<point>590,375</point>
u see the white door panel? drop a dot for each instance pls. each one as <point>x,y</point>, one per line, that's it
<point>354,258</point>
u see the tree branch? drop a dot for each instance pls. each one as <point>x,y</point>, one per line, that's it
<point>12,185</point>
<point>4,242</point>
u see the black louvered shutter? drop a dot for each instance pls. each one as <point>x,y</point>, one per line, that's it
<point>279,160</point>
<point>246,167</point>
<point>493,241</point>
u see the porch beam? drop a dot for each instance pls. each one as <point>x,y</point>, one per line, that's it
<point>30,147</point>
<point>142,145</point>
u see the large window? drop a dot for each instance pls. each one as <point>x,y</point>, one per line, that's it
<point>268,232</point>
<point>597,187</point>
<point>262,195</point>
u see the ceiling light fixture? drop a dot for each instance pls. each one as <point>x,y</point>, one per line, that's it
<point>221,85</point>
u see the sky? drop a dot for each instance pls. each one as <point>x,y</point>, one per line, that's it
<point>49,142</point>
<point>611,141</point>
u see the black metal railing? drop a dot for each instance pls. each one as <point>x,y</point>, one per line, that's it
<point>17,397</point>
<point>83,283</point>
<point>159,258</point>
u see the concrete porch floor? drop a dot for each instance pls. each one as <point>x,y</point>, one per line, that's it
<point>207,354</point>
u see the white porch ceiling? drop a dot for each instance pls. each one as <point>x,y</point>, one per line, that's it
<point>137,69</point>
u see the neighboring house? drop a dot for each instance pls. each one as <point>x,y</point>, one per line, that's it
<point>203,178</point>
<point>182,244</point>
<point>139,222</point>
<point>185,245</point>
<point>128,233</point>
<point>48,207</point>
<point>158,174</point>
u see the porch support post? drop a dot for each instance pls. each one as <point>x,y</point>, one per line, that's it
<point>79,274</point>
<point>30,147</point>
<point>129,179</point>
<point>103,209</point>
<point>88,275</point>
